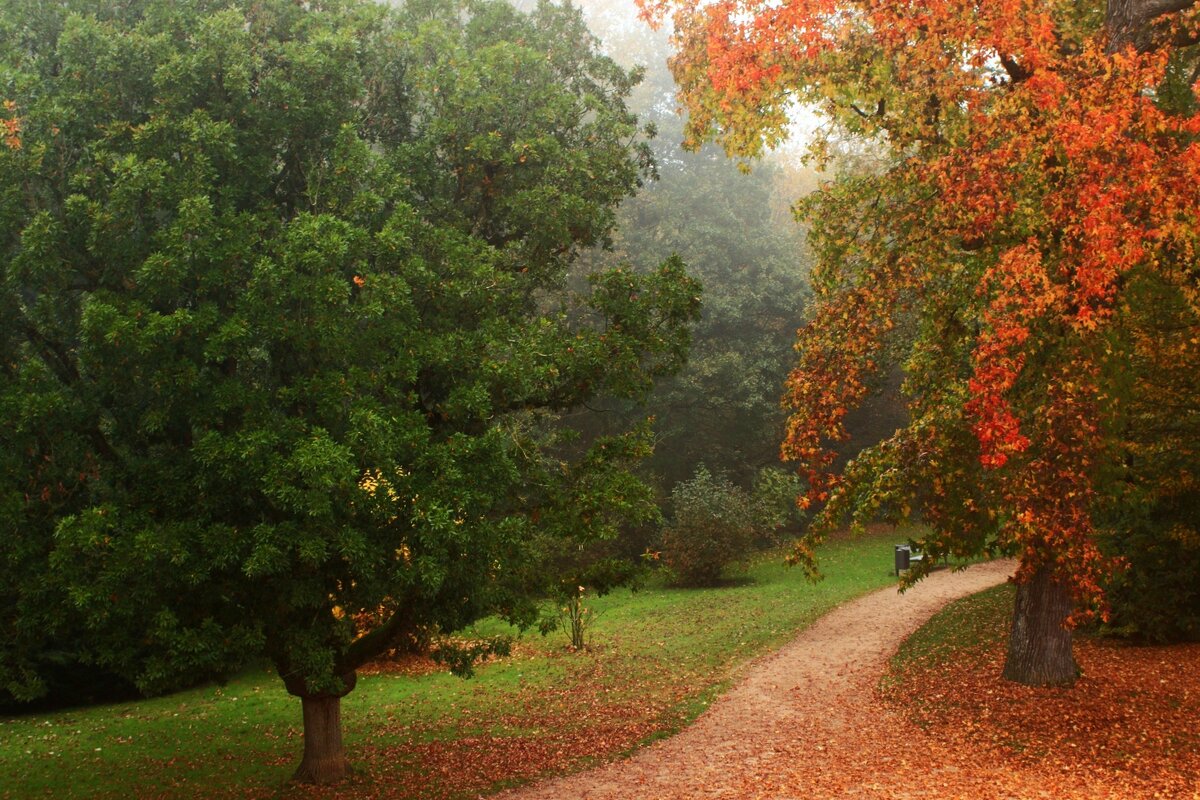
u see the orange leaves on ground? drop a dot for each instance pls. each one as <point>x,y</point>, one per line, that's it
<point>1130,724</point>
<point>531,732</point>
<point>547,734</point>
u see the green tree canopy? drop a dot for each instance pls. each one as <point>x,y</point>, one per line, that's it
<point>281,308</point>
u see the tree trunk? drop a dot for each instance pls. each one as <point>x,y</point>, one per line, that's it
<point>324,760</point>
<point>1039,646</point>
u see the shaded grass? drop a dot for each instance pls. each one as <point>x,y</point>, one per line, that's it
<point>659,657</point>
<point>969,624</point>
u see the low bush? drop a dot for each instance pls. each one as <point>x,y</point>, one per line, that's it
<point>715,525</point>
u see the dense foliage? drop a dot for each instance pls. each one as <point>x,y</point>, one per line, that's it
<point>1035,157</point>
<point>1151,517</point>
<point>281,310</point>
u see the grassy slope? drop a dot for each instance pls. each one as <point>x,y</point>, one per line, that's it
<point>660,655</point>
<point>972,624</point>
<point>966,628</point>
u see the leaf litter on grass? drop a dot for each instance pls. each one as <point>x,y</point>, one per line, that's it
<point>1130,725</point>
<point>415,732</point>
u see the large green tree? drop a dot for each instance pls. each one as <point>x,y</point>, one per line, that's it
<point>281,311</point>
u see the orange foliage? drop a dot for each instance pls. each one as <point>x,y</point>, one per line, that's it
<point>11,127</point>
<point>1033,159</point>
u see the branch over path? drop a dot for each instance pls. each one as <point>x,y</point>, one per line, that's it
<point>805,722</point>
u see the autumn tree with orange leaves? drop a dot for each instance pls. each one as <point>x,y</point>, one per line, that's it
<point>1034,168</point>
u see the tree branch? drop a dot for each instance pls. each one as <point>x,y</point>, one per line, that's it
<point>379,640</point>
<point>1153,9</point>
<point>1130,23</point>
<point>1185,38</point>
<point>879,109</point>
<point>1016,72</point>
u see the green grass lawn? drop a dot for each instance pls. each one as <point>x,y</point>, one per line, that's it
<point>658,657</point>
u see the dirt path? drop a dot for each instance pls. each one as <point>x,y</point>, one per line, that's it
<point>805,723</point>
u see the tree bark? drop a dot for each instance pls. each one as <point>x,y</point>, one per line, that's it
<point>1039,645</point>
<point>324,759</point>
<point>1132,22</point>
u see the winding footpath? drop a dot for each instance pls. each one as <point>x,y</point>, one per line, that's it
<point>805,723</point>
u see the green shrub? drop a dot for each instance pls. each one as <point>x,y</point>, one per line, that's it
<point>1157,598</point>
<point>774,497</point>
<point>715,524</point>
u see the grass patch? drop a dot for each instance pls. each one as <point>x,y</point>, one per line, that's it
<point>659,657</point>
<point>969,624</point>
<point>966,631</point>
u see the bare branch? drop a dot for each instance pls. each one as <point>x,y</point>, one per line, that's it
<point>877,114</point>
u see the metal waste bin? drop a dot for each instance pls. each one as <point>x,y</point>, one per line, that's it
<point>903,554</point>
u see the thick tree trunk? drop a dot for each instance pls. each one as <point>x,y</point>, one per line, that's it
<point>324,758</point>
<point>1039,646</point>
<point>1123,19</point>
